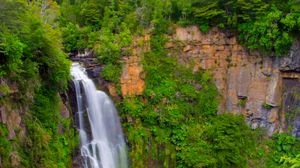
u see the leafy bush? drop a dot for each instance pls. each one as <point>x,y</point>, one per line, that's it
<point>231,139</point>
<point>45,147</point>
<point>162,108</point>
<point>111,72</point>
<point>291,162</point>
<point>281,145</point>
<point>5,146</point>
<point>12,52</point>
<point>32,57</point>
<point>70,35</point>
<point>270,33</point>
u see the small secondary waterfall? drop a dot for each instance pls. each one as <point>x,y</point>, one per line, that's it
<point>101,137</point>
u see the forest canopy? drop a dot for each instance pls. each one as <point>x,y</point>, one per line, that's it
<point>268,25</point>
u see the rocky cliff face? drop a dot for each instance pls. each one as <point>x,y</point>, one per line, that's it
<point>132,78</point>
<point>264,89</point>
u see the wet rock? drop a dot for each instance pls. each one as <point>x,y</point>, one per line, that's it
<point>243,82</point>
<point>232,99</point>
<point>75,55</point>
<point>94,72</point>
<point>88,59</point>
<point>291,104</point>
<point>267,66</point>
<point>292,61</point>
<point>77,159</point>
<point>273,97</point>
<point>296,130</point>
<point>3,115</point>
<point>64,111</point>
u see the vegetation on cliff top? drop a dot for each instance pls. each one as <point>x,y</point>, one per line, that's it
<point>270,26</point>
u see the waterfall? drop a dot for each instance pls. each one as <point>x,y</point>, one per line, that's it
<point>101,137</point>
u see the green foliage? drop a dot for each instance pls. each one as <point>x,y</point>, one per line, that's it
<point>46,147</point>
<point>111,72</point>
<point>270,33</point>
<point>265,25</point>
<point>291,162</point>
<point>174,122</point>
<point>5,146</point>
<point>232,140</point>
<point>281,146</point>
<point>174,116</point>
<point>91,13</point>
<point>204,27</point>
<point>242,102</point>
<point>224,141</point>
<point>70,34</point>
<point>76,38</point>
<point>11,50</point>
<point>4,89</point>
<point>115,36</point>
<point>32,58</point>
<point>267,106</point>
<point>284,143</point>
<point>109,51</point>
<point>33,49</point>
<point>207,10</point>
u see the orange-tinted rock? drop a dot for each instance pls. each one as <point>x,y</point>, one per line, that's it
<point>112,90</point>
<point>188,34</point>
<point>132,78</point>
<point>131,82</point>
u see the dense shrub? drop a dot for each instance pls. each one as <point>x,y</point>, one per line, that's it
<point>45,147</point>
<point>32,58</point>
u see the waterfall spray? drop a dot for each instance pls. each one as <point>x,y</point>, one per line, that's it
<point>105,147</point>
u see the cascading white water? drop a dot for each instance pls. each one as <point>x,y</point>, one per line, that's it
<point>105,147</point>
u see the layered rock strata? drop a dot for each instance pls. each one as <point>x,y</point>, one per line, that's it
<point>249,83</point>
